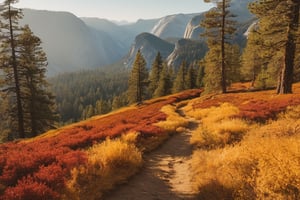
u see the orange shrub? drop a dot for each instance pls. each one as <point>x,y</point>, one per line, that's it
<point>30,162</point>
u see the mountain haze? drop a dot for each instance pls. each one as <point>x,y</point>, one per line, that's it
<point>73,43</point>
<point>149,45</point>
<point>172,26</point>
<point>68,42</point>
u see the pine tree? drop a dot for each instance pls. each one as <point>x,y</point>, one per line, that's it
<point>38,103</point>
<point>154,77</point>
<point>252,59</point>
<point>200,75</point>
<point>219,27</point>
<point>101,107</point>
<point>9,64</point>
<point>116,103</point>
<point>179,83</point>
<point>278,25</point>
<point>138,80</point>
<point>190,78</point>
<point>164,84</point>
<point>233,62</point>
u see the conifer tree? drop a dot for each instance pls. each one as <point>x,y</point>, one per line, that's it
<point>219,27</point>
<point>138,81</point>
<point>116,103</point>
<point>38,104</point>
<point>252,58</point>
<point>200,76</point>
<point>278,26</point>
<point>154,77</point>
<point>164,83</point>
<point>179,83</point>
<point>190,79</point>
<point>9,63</point>
<point>101,107</point>
<point>233,62</point>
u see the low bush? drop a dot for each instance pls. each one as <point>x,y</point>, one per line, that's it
<point>264,165</point>
<point>174,119</point>
<point>109,163</point>
<point>218,127</point>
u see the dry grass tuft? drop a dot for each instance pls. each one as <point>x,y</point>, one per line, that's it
<point>110,162</point>
<point>174,120</point>
<point>218,128</point>
<point>264,165</point>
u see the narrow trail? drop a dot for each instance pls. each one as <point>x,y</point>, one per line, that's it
<point>165,174</point>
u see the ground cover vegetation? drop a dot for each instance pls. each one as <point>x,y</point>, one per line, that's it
<point>246,148</point>
<point>64,163</point>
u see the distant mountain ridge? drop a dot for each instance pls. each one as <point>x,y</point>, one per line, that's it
<point>149,45</point>
<point>73,43</point>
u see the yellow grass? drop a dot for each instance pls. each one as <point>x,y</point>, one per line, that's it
<point>174,121</point>
<point>264,165</point>
<point>110,162</point>
<point>218,128</point>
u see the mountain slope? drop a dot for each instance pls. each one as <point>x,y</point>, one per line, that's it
<point>237,132</point>
<point>172,26</point>
<point>120,35</point>
<point>69,44</point>
<point>187,50</point>
<point>149,45</point>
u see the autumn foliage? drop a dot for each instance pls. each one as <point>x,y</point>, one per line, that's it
<point>39,168</point>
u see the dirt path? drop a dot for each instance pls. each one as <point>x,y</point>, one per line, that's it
<point>165,174</point>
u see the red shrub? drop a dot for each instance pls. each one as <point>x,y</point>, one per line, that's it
<point>48,161</point>
<point>29,189</point>
<point>52,176</point>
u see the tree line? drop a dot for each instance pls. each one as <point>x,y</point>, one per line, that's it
<point>27,107</point>
<point>271,57</point>
<point>162,79</point>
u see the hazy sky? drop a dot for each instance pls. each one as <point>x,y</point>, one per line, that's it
<point>129,10</point>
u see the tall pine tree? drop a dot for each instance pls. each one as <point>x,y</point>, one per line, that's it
<point>9,64</point>
<point>219,27</point>
<point>164,84</point>
<point>154,77</point>
<point>138,81</point>
<point>278,25</point>
<point>38,103</point>
<point>179,83</point>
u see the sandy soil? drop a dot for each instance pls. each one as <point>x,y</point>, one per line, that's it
<point>165,174</point>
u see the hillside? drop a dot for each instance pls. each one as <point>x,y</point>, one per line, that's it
<point>80,162</point>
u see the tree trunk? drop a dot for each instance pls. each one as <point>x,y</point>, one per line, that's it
<point>223,68</point>
<point>16,78</point>
<point>285,82</point>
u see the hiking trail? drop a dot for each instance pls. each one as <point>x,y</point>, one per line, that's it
<point>165,174</point>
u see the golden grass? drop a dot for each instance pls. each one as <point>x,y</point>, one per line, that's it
<point>264,165</point>
<point>217,128</point>
<point>174,121</point>
<point>109,163</point>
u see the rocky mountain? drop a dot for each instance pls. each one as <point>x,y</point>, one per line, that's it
<point>193,28</point>
<point>73,43</point>
<point>238,8</point>
<point>187,50</point>
<point>172,26</point>
<point>149,45</point>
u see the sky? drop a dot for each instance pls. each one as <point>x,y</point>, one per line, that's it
<point>129,10</point>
